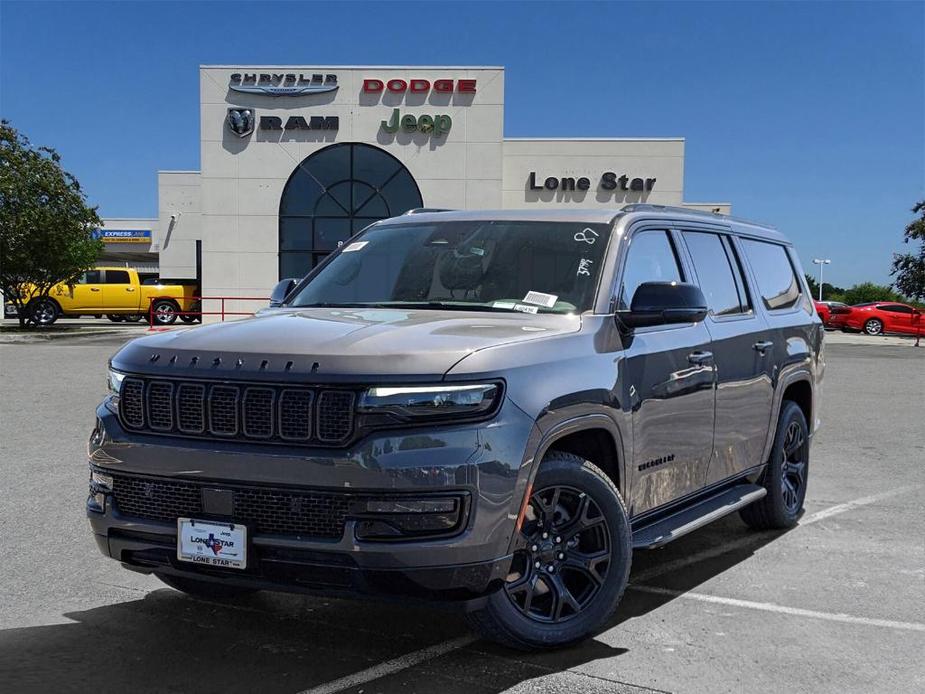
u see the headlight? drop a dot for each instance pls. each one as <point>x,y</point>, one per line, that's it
<point>422,402</point>
<point>115,381</point>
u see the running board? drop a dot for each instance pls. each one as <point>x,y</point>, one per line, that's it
<point>687,520</point>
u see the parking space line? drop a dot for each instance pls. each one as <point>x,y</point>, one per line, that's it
<point>782,609</point>
<point>757,538</point>
<point>849,505</point>
<point>389,667</point>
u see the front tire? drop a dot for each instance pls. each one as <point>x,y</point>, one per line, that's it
<point>567,579</point>
<point>204,589</point>
<point>44,311</point>
<point>874,326</point>
<point>785,476</point>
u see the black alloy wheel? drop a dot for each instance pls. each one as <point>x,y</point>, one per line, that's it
<point>566,559</point>
<point>786,475</point>
<point>793,467</point>
<point>571,560</point>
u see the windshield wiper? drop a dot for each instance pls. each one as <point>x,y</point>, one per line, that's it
<point>434,305</point>
<point>448,305</point>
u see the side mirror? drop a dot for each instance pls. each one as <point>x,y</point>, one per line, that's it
<point>281,290</point>
<point>662,303</point>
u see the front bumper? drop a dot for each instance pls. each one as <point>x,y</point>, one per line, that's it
<point>481,462</point>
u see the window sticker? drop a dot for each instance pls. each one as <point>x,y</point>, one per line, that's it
<point>355,246</point>
<point>584,267</point>
<point>526,309</point>
<point>503,304</point>
<point>540,299</point>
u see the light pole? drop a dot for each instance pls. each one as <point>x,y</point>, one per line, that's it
<point>820,262</point>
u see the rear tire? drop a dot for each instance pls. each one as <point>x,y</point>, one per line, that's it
<point>115,318</point>
<point>163,312</point>
<point>204,589</point>
<point>785,476</point>
<point>874,326</point>
<point>580,578</point>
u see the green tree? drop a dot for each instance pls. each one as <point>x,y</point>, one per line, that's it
<point>868,292</point>
<point>909,268</point>
<point>46,227</point>
<point>829,291</point>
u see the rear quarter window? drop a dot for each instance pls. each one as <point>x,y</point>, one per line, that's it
<point>778,283</point>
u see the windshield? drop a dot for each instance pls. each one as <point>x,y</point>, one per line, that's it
<point>534,267</point>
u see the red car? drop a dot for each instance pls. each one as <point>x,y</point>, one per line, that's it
<point>886,317</point>
<point>832,313</point>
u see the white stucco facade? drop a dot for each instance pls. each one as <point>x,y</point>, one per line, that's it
<point>443,125</point>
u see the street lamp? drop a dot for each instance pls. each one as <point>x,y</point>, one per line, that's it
<point>820,262</point>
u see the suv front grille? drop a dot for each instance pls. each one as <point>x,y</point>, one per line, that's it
<point>265,510</point>
<point>275,413</point>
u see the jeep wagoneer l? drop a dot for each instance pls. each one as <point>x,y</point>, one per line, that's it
<point>492,407</point>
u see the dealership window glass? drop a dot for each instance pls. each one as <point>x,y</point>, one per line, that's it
<point>464,265</point>
<point>777,281</point>
<point>117,277</point>
<point>334,193</point>
<point>91,277</point>
<point>714,272</point>
<point>651,257</point>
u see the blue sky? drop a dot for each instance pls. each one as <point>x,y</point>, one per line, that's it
<point>810,116</point>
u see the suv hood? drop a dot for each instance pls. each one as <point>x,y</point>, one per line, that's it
<point>330,345</point>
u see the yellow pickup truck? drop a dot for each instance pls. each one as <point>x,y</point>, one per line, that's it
<point>118,293</point>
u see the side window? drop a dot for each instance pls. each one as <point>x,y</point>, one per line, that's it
<point>91,277</point>
<point>651,258</point>
<point>896,308</point>
<point>777,282</point>
<point>714,262</point>
<point>117,277</point>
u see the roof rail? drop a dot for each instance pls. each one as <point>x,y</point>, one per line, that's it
<point>425,210</point>
<point>645,206</point>
<point>642,206</point>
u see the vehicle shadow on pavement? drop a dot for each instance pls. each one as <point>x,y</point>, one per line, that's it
<point>167,641</point>
<point>273,642</point>
<point>688,562</point>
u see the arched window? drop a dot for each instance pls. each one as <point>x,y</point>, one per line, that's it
<point>334,193</point>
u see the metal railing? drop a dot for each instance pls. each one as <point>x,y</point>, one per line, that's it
<point>199,313</point>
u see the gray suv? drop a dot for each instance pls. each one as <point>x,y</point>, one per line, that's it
<point>491,407</point>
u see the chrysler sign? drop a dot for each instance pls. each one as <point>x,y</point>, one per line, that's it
<point>282,84</point>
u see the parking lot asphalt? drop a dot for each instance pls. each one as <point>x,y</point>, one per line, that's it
<point>835,605</point>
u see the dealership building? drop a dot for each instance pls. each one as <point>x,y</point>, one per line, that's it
<point>295,159</point>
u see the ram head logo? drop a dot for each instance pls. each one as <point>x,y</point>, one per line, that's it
<point>241,121</point>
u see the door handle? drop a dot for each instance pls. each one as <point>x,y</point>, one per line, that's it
<point>130,289</point>
<point>700,358</point>
<point>94,289</point>
<point>763,345</point>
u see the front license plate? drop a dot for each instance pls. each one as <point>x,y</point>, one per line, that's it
<point>211,543</point>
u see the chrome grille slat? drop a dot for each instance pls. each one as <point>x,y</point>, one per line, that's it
<point>273,413</point>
